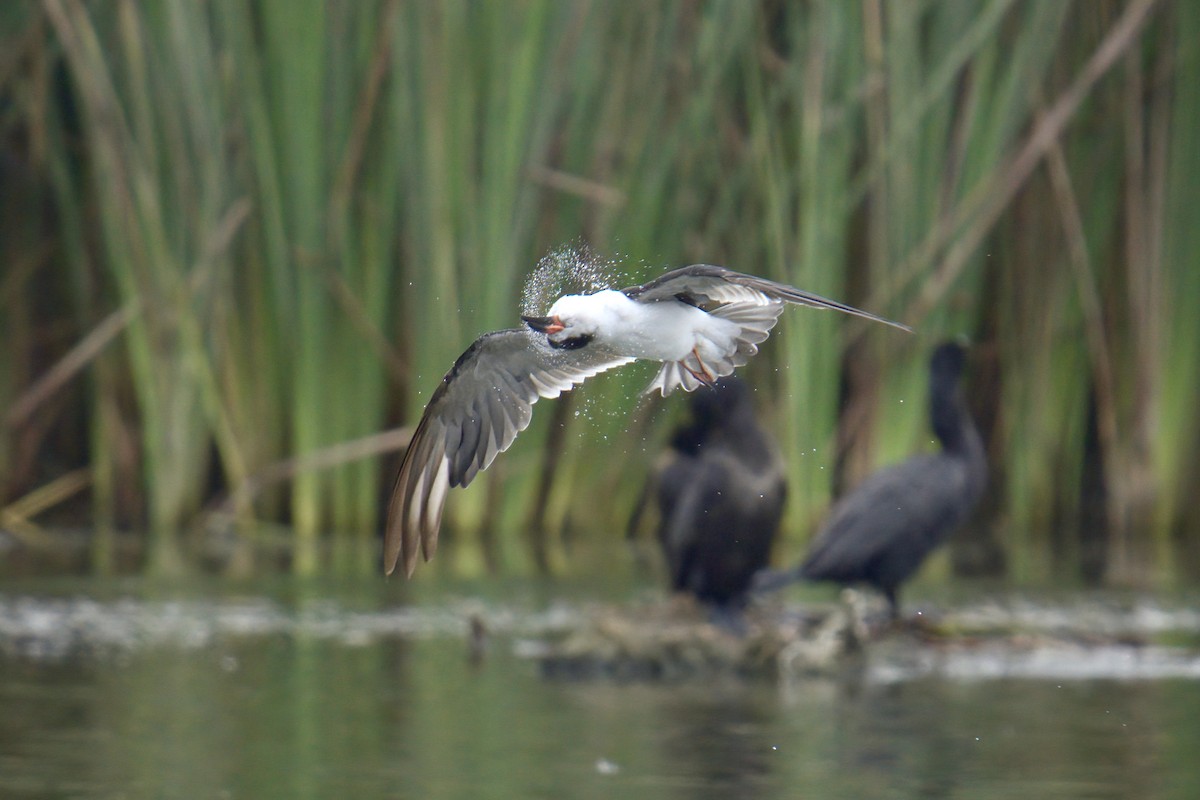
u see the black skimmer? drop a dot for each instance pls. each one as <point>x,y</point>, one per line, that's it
<point>881,532</point>
<point>700,321</point>
<point>720,497</point>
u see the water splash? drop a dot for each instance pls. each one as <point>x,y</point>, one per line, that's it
<point>576,269</point>
<point>571,269</point>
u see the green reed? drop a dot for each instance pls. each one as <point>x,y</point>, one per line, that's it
<point>301,213</point>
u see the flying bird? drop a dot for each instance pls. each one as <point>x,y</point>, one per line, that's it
<point>881,532</point>
<point>701,322</point>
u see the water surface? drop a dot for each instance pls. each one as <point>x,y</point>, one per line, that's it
<point>137,690</point>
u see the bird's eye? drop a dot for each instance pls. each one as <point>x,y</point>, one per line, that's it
<point>571,342</point>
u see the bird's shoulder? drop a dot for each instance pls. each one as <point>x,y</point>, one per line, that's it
<point>904,496</point>
<point>506,360</point>
<point>917,473</point>
<point>696,284</point>
<point>508,340</point>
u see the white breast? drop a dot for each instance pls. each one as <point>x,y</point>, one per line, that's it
<point>663,331</point>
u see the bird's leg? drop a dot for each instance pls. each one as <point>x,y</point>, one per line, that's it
<point>703,374</point>
<point>893,601</point>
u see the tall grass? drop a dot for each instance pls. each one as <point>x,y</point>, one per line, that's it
<point>1174,469</point>
<point>278,223</point>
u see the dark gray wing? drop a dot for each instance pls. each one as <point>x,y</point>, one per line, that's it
<point>483,402</point>
<point>891,521</point>
<point>701,284</point>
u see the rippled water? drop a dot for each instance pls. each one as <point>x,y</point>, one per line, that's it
<point>133,690</point>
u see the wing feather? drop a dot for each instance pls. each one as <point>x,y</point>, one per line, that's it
<point>483,402</point>
<point>705,283</point>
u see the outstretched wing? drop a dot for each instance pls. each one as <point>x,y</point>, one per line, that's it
<point>483,402</point>
<point>701,284</point>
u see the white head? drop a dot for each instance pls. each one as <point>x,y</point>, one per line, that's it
<point>575,319</point>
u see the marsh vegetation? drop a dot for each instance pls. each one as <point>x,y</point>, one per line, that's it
<point>242,242</point>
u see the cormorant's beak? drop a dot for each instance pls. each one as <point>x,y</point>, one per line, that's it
<point>545,325</point>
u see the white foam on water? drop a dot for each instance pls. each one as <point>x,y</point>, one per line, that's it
<point>38,628</point>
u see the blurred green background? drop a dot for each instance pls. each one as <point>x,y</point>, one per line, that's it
<point>239,240</point>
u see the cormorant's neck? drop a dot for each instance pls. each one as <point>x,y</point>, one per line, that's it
<point>955,429</point>
<point>952,423</point>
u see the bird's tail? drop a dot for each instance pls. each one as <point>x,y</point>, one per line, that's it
<point>673,375</point>
<point>754,321</point>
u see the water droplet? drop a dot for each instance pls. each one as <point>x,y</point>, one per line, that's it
<point>606,767</point>
<point>571,269</point>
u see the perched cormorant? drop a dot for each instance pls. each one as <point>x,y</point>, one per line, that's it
<point>720,497</point>
<point>700,322</point>
<point>881,531</point>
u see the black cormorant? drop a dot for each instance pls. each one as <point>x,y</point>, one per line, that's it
<point>720,497</point>
<point>881,531</point>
